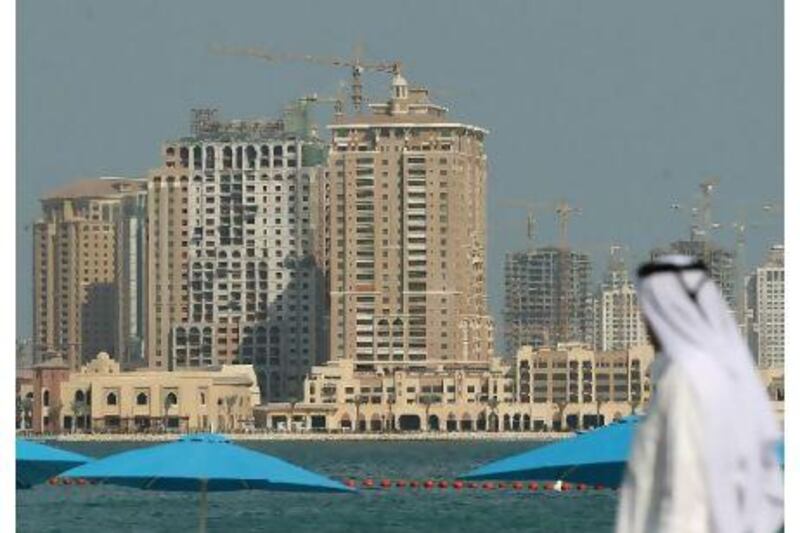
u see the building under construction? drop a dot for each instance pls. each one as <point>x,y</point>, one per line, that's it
<point>232,271</point>
<point>548,298</point>
<point>720,261</point>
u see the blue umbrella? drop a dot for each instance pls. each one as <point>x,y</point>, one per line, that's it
<point>37,462</point>
<point>202,463</point>
<point>597,457</point>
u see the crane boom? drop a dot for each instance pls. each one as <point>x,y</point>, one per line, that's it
<point>355,64</point>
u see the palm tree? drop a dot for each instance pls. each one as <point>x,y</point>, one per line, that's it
<point>292,402</point>
<point>599,402</point>
<point>167,405</point>
<point>230,402</point>
<point>427,400</point>
<point>27,412</point>
<point>20,416</point>
<point>560,406</point>
<point>358,400</point>
<point>390,402</point>
<point>54,414</point>
<point>493,403</point>
<point>77,412</point>
<point>634,402</point>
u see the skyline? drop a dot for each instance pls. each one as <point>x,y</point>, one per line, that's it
<point>514,150</point>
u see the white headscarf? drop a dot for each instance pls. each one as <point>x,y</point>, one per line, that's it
<point>695,329</point>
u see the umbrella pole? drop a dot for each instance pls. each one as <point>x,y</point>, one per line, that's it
<point>203,505</point>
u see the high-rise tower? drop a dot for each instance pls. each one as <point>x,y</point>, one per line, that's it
<point>76,282</point>
<point>232,274</point>
<point>542,310</point>
<point>405,236</point>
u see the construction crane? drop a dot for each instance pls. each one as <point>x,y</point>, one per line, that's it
<point>356,65</point>
<point>704,226</point>
<point>564,212</point>
<point>298,112</point>
<point>531,208</point>
<point>740,227</point>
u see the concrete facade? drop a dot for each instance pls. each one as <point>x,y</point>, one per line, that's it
<point>100,397</point>
<point>548,298</point>
<point>233,276</point>
<point>768,310</point>
<point>619,320</point>
<point>76,282</point>
<point>405,236</point>
<point>538,390</point>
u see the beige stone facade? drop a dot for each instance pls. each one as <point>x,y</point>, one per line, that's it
<point>543,389</point>
<point>74,273</point>
<point>102,398</point>
<point>233,277</point>
<point>405,236</point>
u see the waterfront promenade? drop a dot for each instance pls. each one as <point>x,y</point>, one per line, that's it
<point>317,437</point>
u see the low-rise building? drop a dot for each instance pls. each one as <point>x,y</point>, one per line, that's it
<point>340,397</point>
<point>774,379</point>
<point>575,387</point>
<point>570,386</point>
<point>101,397</point>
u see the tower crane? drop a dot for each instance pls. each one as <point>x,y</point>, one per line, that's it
<point>740,227</point>
<point>355,64</point>
<point>298,110</point>
<point>565,211</point>
<point>531,208</point>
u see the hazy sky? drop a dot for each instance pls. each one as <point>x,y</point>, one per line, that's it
<point>620,107</point>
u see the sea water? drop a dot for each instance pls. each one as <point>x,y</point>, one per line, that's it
<point>106,508</point>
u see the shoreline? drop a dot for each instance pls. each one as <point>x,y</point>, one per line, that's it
<point>317,437</point>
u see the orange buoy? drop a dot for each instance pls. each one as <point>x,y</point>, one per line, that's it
<point>580,486</point>
<point>533,486</point>
<point>350,483</point>
<point>428,484</point>
<point>517,485</point>
<point>81,481</point>
<point>414,484</point>
<point>443,484</point>
<point>66,481</point>
<point>565,486</point>
<point>458,485</point>
<point>400,483</point>
<point>53,481</point>
<point>598,487</point>
<point>488,486</point>
<point>473,485</point>
<point>368,483</point>
<point>385,483</point>
<point>501,485</point>
<point>548,486</point>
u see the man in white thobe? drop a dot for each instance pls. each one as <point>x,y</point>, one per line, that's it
<point>703,459</point>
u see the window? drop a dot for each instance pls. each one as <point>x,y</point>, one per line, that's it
<point>46,398</point>
<point>171,399</point>
<point>111,399</point>
<point>141,399</point>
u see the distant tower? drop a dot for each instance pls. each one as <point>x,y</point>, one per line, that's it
<point>76,282</point>
<point>232,274</point>
<point>768,310</point>
<point>406,234</point>
<point>534,305</point>
<point>620,324</point>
